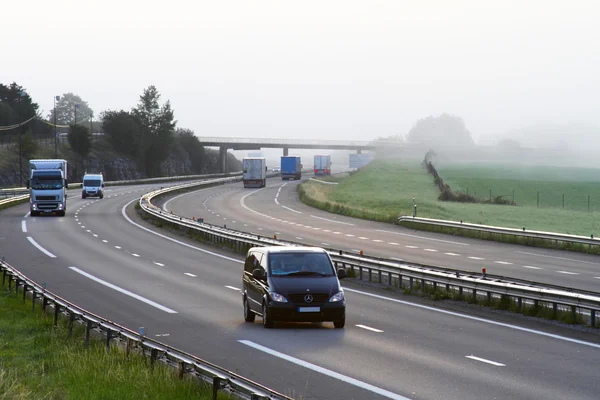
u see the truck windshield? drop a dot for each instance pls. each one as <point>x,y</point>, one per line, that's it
<point>91,182</point>
<point>46,183</point>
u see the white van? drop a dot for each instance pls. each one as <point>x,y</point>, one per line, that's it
<point>92,186</point>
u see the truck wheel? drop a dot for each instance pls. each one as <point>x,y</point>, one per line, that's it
<point>62,213</point>
<point>35,213</point>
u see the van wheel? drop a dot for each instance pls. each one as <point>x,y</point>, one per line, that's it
<point>267,323</point>
<point>248,314</point>
<point>83,196</point>
<point>339,324</point>
<point>102,195</point>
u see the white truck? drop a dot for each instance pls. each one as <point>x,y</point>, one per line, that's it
<point>323,165</point>
<point>47,184</point>
<point>254,172</point>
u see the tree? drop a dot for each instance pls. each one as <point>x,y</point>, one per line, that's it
<point>443,131</point>
<point>190,143</point>
<point>80,140</point>
<point>15,105</point>
<point>124,132</point>
<point>65,110</point>
<point>157,124</point>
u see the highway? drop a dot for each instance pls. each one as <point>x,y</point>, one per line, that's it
<point>103,257</point>
<point>276,210</point>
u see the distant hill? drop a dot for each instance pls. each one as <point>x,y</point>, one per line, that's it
<point>576,137</point>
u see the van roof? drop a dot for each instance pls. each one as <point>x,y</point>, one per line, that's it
<point>92,176</point>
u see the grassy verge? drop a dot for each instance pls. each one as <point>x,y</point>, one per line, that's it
<point>38,361</point>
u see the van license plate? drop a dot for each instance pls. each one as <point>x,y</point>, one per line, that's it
<point>309,309</point>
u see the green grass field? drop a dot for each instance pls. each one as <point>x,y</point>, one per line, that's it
<point>384,190</point>
<point>40,362</point>
<point>524,183</point>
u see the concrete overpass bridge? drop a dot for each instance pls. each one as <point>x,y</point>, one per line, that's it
<point>225,144</point>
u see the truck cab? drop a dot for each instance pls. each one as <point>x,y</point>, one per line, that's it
<point>47,186</point>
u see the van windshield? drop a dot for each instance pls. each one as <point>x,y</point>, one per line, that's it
<point>91,182</point>
<point>282,264</point>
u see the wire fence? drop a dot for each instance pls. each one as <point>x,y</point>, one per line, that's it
<point>577,200</point>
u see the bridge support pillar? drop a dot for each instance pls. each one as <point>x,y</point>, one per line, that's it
<point>286,151</point>
<point>223,159</point>
<point>358,151</point>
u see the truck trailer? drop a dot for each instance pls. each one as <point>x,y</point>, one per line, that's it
<point>48,184</point>
<point>254,172</point>
<point>291,167</point>
<point>322,165</point>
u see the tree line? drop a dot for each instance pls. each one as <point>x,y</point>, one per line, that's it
<point>147,134</point>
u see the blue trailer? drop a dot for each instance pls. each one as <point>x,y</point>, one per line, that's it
<point>291,167</point>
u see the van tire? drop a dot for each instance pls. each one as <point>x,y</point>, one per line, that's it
<point>248,314</point>
<point>62,213</point>
<point>339,324</point>
<point>267,323</point>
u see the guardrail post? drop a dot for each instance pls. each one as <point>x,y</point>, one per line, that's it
<point>460,291</point>
<point>24,290</point>
<point>411,284</point>
<point>180,369</point>
<point>536,303</point>
<point>593,318</point>
<point>108,338</point>
<point>379,273</point>
<point>33,297</point>
<point>370,272</point>
<point>44,305</point>
<point>88,328</point>
<point>434,286</point>
<point>3,276</point>
<point>475,295</point>
<point>489,297</point>
<point>56,311</point>
<point>447,287</point>
<point>574,313</point>
<point>360,272</point>
<point>9,283</point>
<point>216,386</point>
<point>390,278</point>
<point>153,355</point>
<point>554,310</point>
<point>519,303</point>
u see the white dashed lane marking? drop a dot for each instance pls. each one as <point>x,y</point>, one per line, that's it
<point>24,226</point>
<point>349,235</point>
<point>369,328</point>
<point>476,258</point>
<point>503,262</point>
<point>159,264</point>
<point>452,254</point>
<point>188,274</point>
<point>363,238</point>
<point>298,237</point>
<point>233,288</point>
<point>567,272</point>
<point>394,243</point>
<point>105,241</point>
<point>431,250</point>
<point>411,247</point>
<point>497,364</point>
<point>118,247</point>
<point>377,241</point>
<point>531,267</point>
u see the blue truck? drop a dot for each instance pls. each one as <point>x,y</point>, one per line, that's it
<point>291,167</point>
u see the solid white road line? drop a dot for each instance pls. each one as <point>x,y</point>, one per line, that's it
<point>188,274</point>
<point>369,328</point>
<point>567,273</point>
<point>175,240</point>
<point>40,248</point>
<point>276,201</point>
<point>497,364</point>
<point>233,288</point>
<point>331,220</point>
<point>397,259</point>
<point>465,316</point>
<point>124,291</point>
<point>24,226</point>
<point>503,262</point>
<point>325,371</point>
<point>298,237</point>
<point>531,267</point>
<point>558,258</point>
<point>422,237</point>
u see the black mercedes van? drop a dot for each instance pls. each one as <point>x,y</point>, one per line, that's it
<point>292,284</point>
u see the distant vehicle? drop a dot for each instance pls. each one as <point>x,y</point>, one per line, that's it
<point>276,169</point>
<point>254,172</point>
<point>292,284</point>
<point>322,165</point>
<point>291,167</point>
<point>92,186</point>
<point>47,186</point>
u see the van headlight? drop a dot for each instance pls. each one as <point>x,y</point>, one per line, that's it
<point>339,296</point>
<point>277,297</point>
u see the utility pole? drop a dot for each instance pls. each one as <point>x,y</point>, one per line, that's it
<point>56,98</point>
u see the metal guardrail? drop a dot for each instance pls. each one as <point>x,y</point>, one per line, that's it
<point>578,302</point>
<point>504,231</point>
<point>220,378</point>
<point>14,199</point>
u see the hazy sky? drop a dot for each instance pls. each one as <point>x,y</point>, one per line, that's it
<point>315,69</point>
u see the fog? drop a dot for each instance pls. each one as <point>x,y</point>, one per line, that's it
<point>347,69</point>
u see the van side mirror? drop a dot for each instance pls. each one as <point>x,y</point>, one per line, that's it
<point>341,273</point>
<point>258,274</point>
<point>28,183</point>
